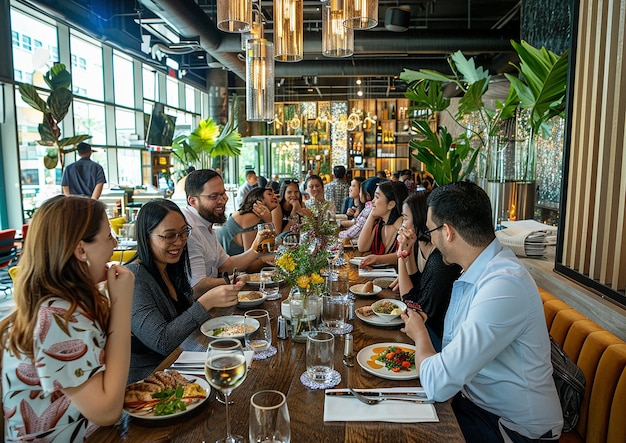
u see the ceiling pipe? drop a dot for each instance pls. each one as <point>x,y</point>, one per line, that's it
<point>190,20</point>
<point>356,68</point>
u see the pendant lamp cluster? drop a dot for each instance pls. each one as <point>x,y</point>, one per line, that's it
<point>339,20</point>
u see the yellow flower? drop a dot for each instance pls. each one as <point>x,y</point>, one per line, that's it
<point>316,279</point>
<point>303,281</point>
<point>286,262</point>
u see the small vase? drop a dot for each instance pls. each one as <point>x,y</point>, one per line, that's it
<point>304,310</point>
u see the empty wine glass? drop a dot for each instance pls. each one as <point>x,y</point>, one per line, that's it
<point>225,369</point>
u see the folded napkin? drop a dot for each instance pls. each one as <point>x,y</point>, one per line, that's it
<point>382,272</point>
<point>527,238</point>
<point>348,408</point>
<point>190,362</point>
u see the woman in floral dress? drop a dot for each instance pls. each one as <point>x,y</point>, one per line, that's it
<point>66,347</point>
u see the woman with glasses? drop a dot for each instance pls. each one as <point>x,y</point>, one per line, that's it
<point>424,280</point>
<point>240,230</point>
<point>378,237</point>
<point>164,311</point>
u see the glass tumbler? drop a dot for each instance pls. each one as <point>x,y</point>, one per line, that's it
<point>269,418</point>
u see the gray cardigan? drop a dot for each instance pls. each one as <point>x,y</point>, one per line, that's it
<point>156,327</point>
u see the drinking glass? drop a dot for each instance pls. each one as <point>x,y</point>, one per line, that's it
<point>268,232</point>
<point>320,355</point>
<point>334,313</point>
<point>269,418</point>
<point>225,369</point>
<point>270,283</point>
<point>260,339</point>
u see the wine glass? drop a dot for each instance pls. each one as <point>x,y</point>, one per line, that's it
<point>225,369</point>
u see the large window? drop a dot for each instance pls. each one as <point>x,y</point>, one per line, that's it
<point>124,126</point>
<point>129,172</point>
<point>123,84</point>
<point>171,86</point>
<point>149,83</point>
<point>89,119</point>
<point>87,78</point>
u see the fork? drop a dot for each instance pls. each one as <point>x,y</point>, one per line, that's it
<point>375,401</point>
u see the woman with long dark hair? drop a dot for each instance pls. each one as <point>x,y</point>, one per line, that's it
<point>164,309</point>
<point>290,206</point>
<point>424,280</point>
<point>66,347</point>
<point>383,223</point>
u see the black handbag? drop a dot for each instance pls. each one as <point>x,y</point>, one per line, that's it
<point>570,385</point>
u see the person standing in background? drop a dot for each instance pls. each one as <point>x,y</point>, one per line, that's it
<point>337,190</point>
<point>84,176</point>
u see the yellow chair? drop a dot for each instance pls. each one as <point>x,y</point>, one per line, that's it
<point>117,223</point>
<point>124,256</point>
<point>13,272</point>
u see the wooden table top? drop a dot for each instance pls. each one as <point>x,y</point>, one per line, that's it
<point>306,407</point>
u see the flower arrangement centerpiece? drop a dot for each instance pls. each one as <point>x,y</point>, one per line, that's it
<point>301,265</point>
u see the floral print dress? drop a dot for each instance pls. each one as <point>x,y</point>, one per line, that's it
<point>66,354</point>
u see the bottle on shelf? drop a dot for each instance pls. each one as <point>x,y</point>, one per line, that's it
<point>393,112</point>
<point>379,133</point>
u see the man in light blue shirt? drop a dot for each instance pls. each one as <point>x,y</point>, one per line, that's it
<point>495,360</point>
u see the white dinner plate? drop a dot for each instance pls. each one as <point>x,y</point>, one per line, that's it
<point>250,303</point>
<point>211,327</point>
<point>375,320</point>
<point>358,290</point>
<point>367,360</point>
<point>150,415</point>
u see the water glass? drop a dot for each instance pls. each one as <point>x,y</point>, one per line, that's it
<point>320,356</point>
<point>334,313</point>
<point>269,418</point>
<point>269,283</point>
<point>261,339</point>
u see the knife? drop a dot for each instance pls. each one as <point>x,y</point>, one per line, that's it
<point>379,394</point>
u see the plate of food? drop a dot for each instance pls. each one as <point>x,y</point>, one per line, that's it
<point>164,395</point>
<point>368,289</point>
<point>248,299</point>
<point>388,309</point>
<point>231,326</point>
<point>392,361</point>
<point>367,315</point>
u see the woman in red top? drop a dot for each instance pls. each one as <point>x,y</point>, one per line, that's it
<point>383,222</point>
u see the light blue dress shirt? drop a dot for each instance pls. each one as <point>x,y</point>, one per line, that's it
<point>496,347</point>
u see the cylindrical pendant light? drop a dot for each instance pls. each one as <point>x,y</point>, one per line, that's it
<point>288,35</point>
<point>234,15</point>
<point>361,14</point>
<point>337,40</point>
<point>260,80</point>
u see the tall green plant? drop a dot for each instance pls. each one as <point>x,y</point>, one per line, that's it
<point>443,156</point>
<point>54,110</point>
<point>209,138</point>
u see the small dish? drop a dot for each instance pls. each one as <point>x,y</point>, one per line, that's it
<point>231,326</point>
<point>358,290</point>
<point>388,309</point>
<point>246,299</point>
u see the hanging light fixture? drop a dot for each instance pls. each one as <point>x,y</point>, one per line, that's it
<point>337,40</point>
<point>361,14</point>
<point>259,75</point>
<point>288,35</point>
<point>234,15</point>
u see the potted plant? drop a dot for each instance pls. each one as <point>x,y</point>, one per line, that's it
<point>208,138</point>
<point>451,159</point>
<point>54,110</point>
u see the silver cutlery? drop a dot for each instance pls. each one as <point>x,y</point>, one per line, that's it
<point>376,400</point>
<point>379,394</point>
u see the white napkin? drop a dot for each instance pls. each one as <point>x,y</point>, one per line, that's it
<point>373,273</point>
<point>191,358</point>
<point>190,362</point>
<point>527,238</point>
<point>348,408</point>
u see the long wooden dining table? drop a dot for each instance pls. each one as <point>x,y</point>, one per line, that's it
<point>207,422</point>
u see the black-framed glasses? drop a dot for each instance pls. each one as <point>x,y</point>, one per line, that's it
<point>172,237</point>
<point>430,231</point>
<point>290,181</point>
<point>215,196</point>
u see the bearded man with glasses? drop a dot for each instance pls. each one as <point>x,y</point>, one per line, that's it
<point>206,199</point>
